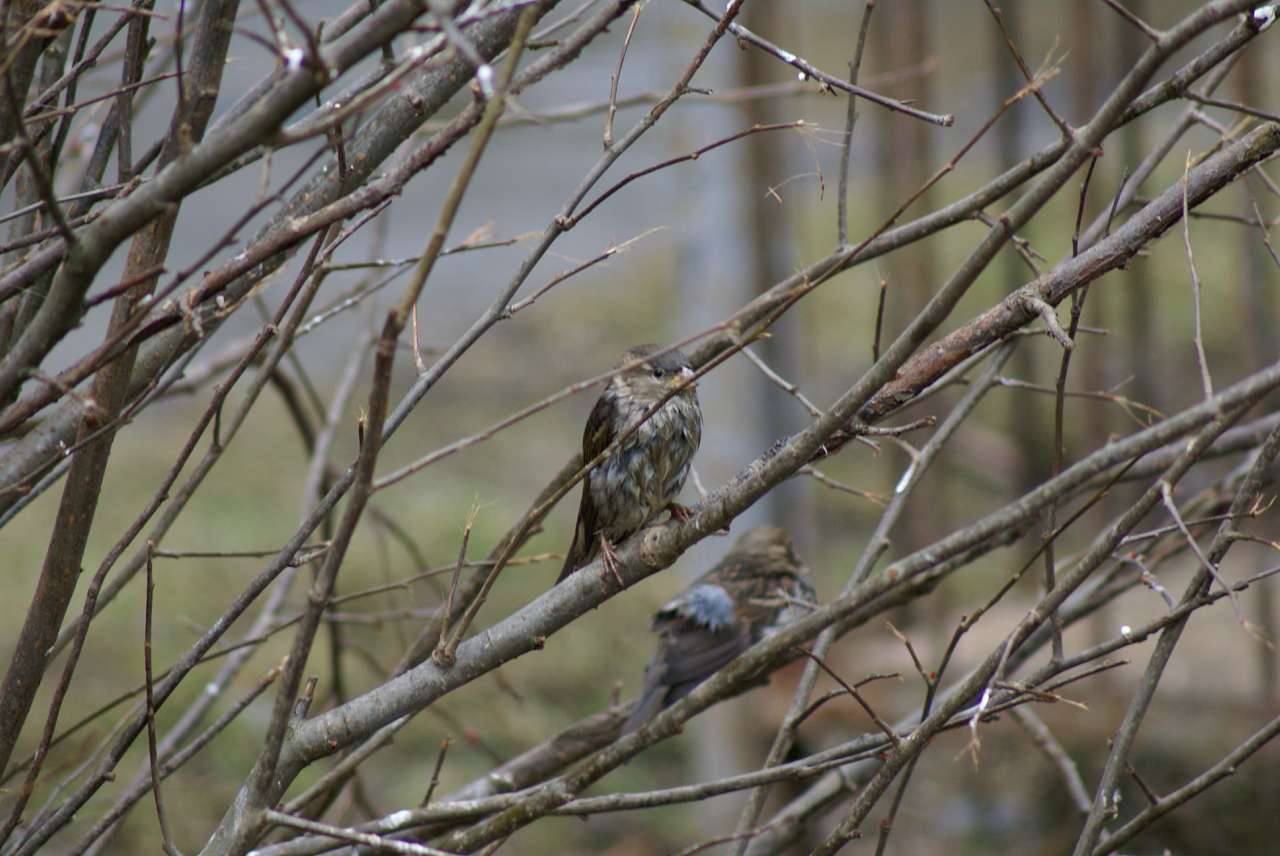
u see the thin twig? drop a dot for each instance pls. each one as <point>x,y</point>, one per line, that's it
<point>570,222</point>
<point>809,70</point>
<point>1263,230</point>
<point>1201,359</point>
<point>880,303</point>
<point>1044,740</point>
<point>603,256</point>
<point>782,383</point>
<point>1166,496</point>
<point>1232,105</point>
<point>1132,408</point>
<point>165,837</point>
<point>617,75</point>
<point>378,842</point>
<point>435,772</point>
<point>826,480</point>
<point>850,121</point>
<point>457,570</point>
<point>852,690</point>
<point>1146,29</point>
<point>998,16</point>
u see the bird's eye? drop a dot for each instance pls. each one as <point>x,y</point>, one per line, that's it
<point>658,371</point>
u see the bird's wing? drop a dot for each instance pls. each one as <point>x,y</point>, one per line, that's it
<point>599,431</point>
<point>690,654</point>
<point>595,439</point>
<point>694,427</point>
<point>687,655</point>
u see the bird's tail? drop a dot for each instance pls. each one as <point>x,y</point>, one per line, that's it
<point>570,564</point>
<point>652,701</point>
<point>578,555</point>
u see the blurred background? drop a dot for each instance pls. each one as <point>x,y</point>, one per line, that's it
<point>704,238</point>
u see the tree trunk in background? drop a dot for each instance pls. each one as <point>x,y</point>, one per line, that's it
<point>721,264</point>
<point>1259,311</point>
<point>1139,328</point>
<point>1028,426</point>
<point>770,256</point>
<point>1088,366</point>
<point>905,150</point>
<point>900,38</point>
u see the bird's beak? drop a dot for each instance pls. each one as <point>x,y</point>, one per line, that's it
<point>683,379</point>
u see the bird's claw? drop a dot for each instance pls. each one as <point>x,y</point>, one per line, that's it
<point>682,513</point>
<point>609,558</point>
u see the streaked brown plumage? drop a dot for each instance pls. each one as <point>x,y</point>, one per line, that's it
<point>759,586</point>
<point>644,474</point>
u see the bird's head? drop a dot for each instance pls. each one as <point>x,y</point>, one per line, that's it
<point>771,572</point>
<point>648,378</point>
<point>768,550</point>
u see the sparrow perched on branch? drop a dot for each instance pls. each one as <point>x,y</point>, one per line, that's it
<point>760,586</point>
<point>643,475</point>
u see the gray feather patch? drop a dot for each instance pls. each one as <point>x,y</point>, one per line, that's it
<point>707,605</point>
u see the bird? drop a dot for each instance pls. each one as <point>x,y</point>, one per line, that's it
<point>643,475</point>
<point>760,586</point>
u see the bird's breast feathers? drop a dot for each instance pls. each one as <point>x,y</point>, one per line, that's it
<point>650,466</point>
